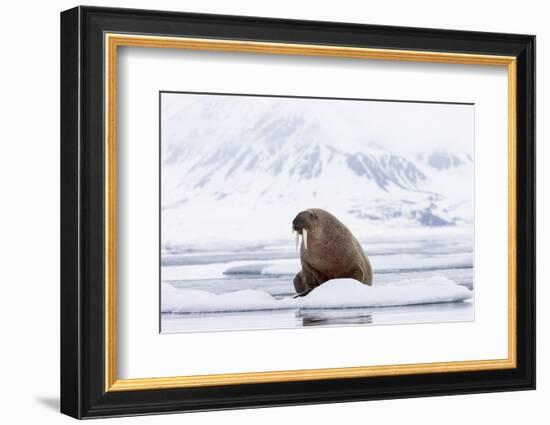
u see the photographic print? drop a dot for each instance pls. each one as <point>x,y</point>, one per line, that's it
<point>288,212</point>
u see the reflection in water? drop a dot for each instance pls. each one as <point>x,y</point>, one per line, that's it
<point>333,317</point>
<point>299,318</point>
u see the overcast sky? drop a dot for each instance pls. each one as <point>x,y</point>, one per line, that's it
<point>407,126</point>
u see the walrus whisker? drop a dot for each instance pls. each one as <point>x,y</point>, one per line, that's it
<point>304,237</point>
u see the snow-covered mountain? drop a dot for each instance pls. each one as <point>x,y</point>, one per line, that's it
<point>234,166</point>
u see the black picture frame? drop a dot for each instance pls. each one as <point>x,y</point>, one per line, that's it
<point>83,392</point>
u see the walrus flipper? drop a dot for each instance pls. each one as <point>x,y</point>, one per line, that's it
<point>304,282</point>
<point>363,276</point>
<point>299,284</point>
<point>303,293</point>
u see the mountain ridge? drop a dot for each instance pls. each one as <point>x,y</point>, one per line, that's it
<point>286,158</point>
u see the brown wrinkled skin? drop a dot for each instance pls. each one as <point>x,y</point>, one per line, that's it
<point>332,252</point>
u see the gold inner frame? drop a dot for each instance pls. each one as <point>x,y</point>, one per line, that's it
<point>113,41</point>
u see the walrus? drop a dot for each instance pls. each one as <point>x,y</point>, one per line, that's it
<point>328,251</point>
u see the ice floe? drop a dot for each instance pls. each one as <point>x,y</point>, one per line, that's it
<point>337,293</point>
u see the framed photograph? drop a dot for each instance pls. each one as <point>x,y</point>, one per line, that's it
<point>261,212</point>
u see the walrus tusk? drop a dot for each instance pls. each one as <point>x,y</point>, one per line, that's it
<point>297,241</point>
<point>304,237</point>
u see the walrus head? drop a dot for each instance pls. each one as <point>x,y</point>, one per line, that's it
<point>303,223</point>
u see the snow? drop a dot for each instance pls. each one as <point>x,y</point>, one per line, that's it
<point>196,301</point>
<point>348,293</point>
<point>337,293</point>
<point>408,261</point>
<point>380,263</point>
<point>232,164</point>
<point>274,268</point>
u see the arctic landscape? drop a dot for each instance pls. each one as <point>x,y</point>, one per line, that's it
<point>235,171</point>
